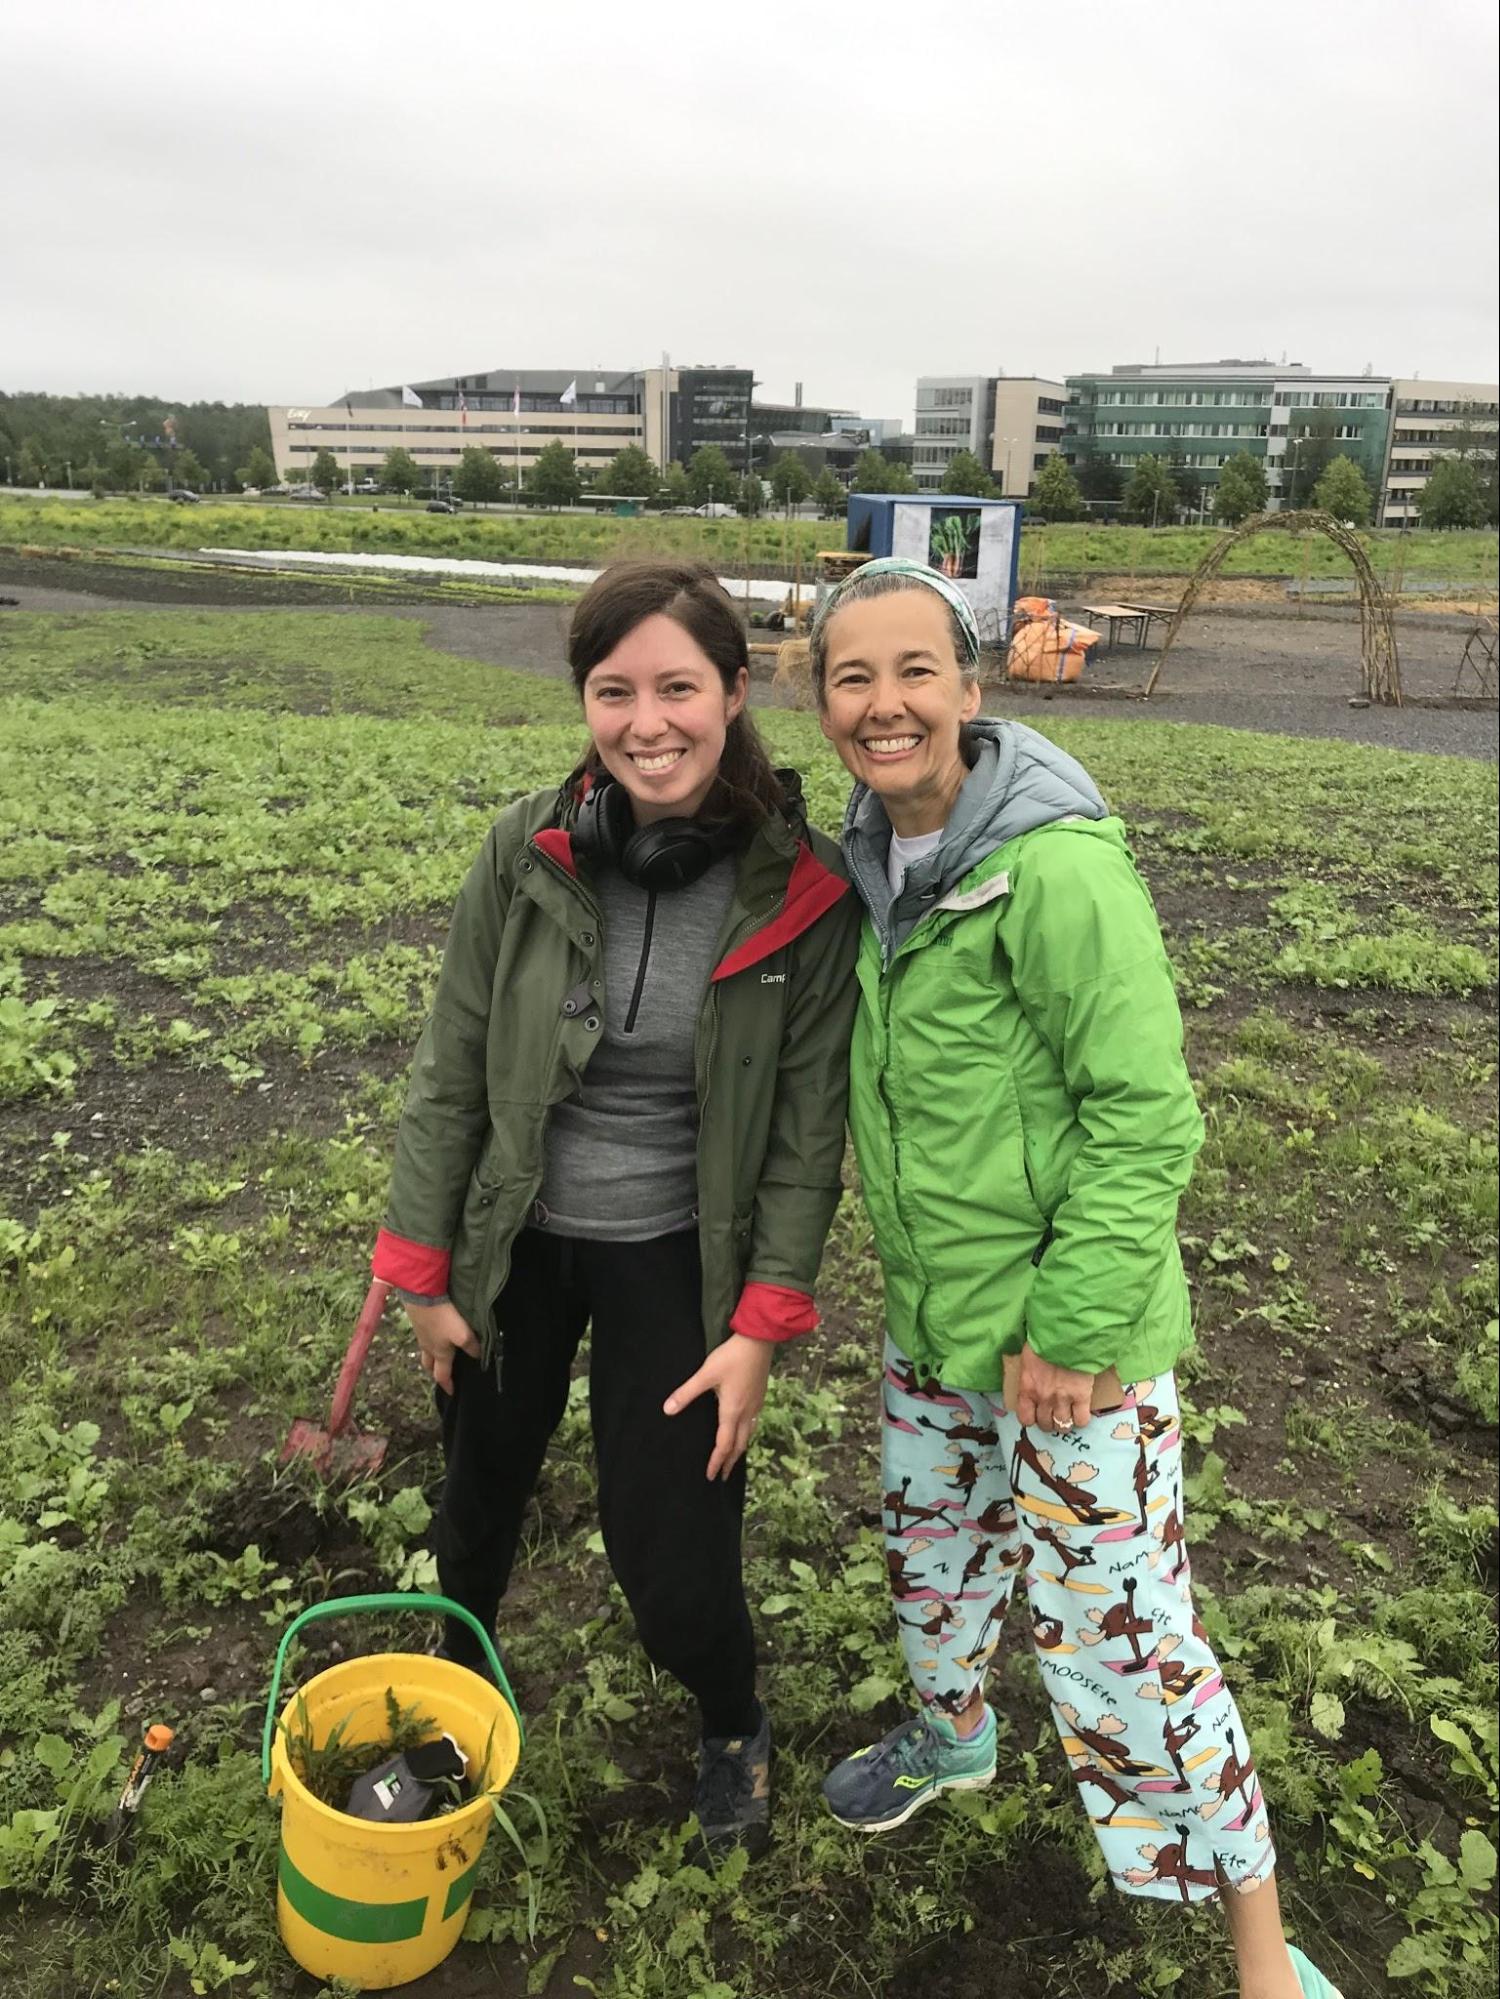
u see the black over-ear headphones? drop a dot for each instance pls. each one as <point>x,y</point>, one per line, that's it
<point>665,853</point>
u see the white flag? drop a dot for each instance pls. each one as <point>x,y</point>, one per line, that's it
<point>569,395</point>
<point>410,400</point>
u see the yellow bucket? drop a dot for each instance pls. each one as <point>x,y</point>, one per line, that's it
<point>379,1905</point>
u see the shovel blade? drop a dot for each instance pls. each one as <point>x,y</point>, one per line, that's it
<point>353,1454</point>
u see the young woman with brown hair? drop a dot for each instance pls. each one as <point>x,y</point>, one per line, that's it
<point>626,1113</point>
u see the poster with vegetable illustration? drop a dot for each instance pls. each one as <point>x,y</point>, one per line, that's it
<point>973,542</point>
<point>953,541</point>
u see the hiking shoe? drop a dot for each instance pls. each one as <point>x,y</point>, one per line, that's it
<point>733,1795</point>
<point>880,1787</point>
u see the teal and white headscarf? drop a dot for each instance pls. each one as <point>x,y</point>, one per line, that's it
<point>915,572</point>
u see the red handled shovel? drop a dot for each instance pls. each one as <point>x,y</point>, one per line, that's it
<point>342,1451</point>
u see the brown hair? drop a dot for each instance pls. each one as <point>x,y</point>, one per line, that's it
<point>624,596</point>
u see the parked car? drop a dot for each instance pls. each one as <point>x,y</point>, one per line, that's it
<point>183,496</point>
<point>445,505</point>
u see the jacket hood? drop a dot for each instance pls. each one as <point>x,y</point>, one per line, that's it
<point>1019,781</point>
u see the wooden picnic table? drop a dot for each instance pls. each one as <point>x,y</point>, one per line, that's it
<point>1117,616</point>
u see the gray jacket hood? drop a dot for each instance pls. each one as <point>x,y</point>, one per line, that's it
<point>1019,781</point>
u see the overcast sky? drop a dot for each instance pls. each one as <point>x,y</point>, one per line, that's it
<point>272,203</point>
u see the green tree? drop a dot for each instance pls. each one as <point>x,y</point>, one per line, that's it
<point>1453,496</point>
<point>1343,492</point>
<point>1099,478</point>
<point>791,482</point>
<point>1473,438</point>
<point>1241,490</point>
<point>1150,496</point>
<point>399,471</point>
<point>325,472</point>
<point>30,468</point>
<point>553,479</point>
<point>965,475</point>
<point>186,471</point>
<point>1188,483</point>
<point>829,493</point>
<point>478,476</point>
<point>674,490</point>
<point>875,473</point>
<point>710,476</point>
<point>630,474</point>
<point>259,470</point>
<point>1312,446</point>
<point>122,467</point>
<point>1056,495</point>
<point>751,497</point>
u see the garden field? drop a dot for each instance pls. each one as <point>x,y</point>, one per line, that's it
<point>732,545</point>
<point>228,846</point>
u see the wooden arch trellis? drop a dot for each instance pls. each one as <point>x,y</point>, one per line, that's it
<point>1379,662</point>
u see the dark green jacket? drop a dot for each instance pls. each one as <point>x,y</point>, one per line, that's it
<point>517,1014</point>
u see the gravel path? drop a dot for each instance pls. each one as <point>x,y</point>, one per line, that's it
<point>1270,671</point>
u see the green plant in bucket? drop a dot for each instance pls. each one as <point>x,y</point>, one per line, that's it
<point>329,1767</point>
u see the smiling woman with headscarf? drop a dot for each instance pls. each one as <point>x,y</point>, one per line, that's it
<point>1025,1127</point>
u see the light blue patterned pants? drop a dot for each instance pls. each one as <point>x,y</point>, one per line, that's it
<point>1092,1523</point>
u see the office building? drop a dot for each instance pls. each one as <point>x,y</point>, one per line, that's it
<point>1430,421</point>
<point>1011,423</point>
<point>1028,420</point>
<point>1199,415</point>
<point>515,413</point>
<point>954,413</point>
<point>1345,416</point>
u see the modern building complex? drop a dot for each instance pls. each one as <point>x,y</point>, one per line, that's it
<point>1429,421</point>
<point>1200,415</point>
<point>515,413</point>
<point>954,413</point>
<point>1011,423</point>
<point>824,439</point>
<point>1195,415</point>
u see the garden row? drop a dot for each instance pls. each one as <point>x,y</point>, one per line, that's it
<point>228,845</point>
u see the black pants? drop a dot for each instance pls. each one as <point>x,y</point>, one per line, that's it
<point>673,1539</point>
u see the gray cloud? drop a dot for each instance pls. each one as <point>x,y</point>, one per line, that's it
<point>274,203</point>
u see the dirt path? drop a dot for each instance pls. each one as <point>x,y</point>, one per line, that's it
<point>1240,668</point>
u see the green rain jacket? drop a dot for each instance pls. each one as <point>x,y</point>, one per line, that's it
<point>517,1015</point>
<point>1021,1109</point>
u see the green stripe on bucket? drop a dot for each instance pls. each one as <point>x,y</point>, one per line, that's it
<point>350,1922</point>
<point>460,1892</point>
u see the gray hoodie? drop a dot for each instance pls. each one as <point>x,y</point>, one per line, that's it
<point>1019,781</point>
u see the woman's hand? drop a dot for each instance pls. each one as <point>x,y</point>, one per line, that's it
<point>442,1331</point>
<point>1051,1398</point>
<point>737,1371</point>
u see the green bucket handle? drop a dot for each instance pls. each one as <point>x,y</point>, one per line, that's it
<point>388,1600</point>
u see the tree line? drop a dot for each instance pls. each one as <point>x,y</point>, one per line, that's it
<point>121,443</point>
